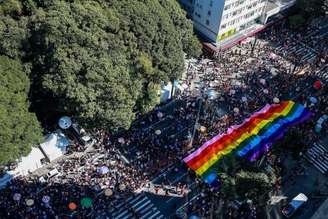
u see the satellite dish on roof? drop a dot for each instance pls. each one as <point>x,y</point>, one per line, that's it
<point>65,122</point>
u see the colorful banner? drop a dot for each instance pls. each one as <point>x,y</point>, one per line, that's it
<point>250,139</point>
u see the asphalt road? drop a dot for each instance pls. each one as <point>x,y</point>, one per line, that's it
<point>312,183</point>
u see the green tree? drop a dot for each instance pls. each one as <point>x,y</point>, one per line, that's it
<point>13,36</point>
<point>19,128</point>
<point>254,184</point>
<point>11,7</point>
<point>103,61</point>
<point>228,186</point>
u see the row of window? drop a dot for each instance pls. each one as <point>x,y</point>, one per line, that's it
<point>237,12</point>
<point>237,3</point>
<point>234,4</point>
<point>239,19</point>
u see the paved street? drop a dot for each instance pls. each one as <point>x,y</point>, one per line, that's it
<point>312,183</point>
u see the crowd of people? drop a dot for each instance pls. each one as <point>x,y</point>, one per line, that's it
<point>264,73</point>
<point>241,81</point>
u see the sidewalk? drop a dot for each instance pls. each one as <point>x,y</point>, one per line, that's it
<point>46,168</point>
<point>240,36</point>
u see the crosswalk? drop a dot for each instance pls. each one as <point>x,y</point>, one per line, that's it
<point>135,207</point>
<point>323,73</point>
<point>305,54</point>
<point>318,156</point>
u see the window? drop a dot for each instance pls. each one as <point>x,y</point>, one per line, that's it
<point>209,13</point>
<point>207,22</point>
<point>227,7</point>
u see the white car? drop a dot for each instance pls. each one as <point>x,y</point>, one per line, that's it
<point>52,173</point>
<point>294,204</point>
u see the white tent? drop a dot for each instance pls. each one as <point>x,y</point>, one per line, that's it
<point>29,163</point>
<point>166,92</point>
<point>25,165</point>
<point>54,146</point>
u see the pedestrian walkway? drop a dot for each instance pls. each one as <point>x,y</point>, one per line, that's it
<point>318,156</point>
<point>139,206</point>
<point>304,53</point>
<point>323,73</point>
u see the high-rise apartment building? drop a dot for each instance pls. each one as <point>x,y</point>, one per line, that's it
<point>217,20</point>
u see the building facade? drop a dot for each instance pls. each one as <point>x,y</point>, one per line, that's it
<point>219,19</point>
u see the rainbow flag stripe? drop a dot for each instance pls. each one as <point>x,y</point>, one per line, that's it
<point>250,139</point>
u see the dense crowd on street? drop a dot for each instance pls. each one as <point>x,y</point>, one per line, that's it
<point>243,79</point>
<point>264,73</point>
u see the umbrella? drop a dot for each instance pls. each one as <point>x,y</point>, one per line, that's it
<point>122,187</point>
<point>45,199</point>
<point>160,114</point>
<point>29,202</point>
<point>158,132</point>
<point>185,86</point>
<point>121,140</point>
<point>108,192</point>
<point>262,81</point>
<point>65,122</point>
<point>236,110</point>
<point>86,202</point>
<point>72,206</point>
<point>249,201</point>
<point>317,84</point>
<point>244,99</point>
<point>212,94</point>
<point>265,91</point>
<point>232,92</point>
<point>276,100</point>
<point>313,100</point>
<point>202,129</point>
<point>103,170</point>
<point>272,55</point>
<point>274,71</point>
<point>17,196</point>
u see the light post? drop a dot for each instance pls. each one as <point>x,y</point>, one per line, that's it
<point>200,102</point>
<point>254,44</point>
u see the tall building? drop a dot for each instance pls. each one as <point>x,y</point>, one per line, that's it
<point>219,20</point>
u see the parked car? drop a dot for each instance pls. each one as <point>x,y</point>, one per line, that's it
<point>294,204</point>
<point>52,173</point>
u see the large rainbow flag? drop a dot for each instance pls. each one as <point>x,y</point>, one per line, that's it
<point>250,139</point>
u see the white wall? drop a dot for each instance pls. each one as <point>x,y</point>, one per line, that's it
<point>237,14</point>
<point>207,17</point>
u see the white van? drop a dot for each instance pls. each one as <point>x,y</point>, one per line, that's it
<point>294,204</point>
<point>52,173</point>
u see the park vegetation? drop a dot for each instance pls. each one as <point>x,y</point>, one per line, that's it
<point>98,61</point>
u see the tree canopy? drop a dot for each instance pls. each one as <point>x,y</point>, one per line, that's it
<point>99,61</point>
<point>105,60</point>
<point>246,184</point>
<point>19,128</point>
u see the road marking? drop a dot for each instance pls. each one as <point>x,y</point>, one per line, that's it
<point>177,179</point>
<point>185,204</point>
<point>160,175</point>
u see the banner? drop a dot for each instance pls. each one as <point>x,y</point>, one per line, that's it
<point>250,139</point>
